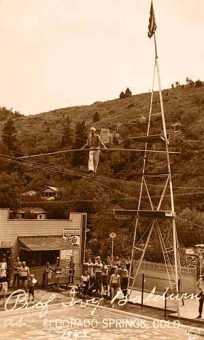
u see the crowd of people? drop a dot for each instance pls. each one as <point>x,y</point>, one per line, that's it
<point>99,278</point>
<point>102,278</point>
<point>22,278</point>
<point>105,278</point>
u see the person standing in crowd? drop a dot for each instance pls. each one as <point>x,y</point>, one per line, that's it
<point>85,281</point>
<point>124,280</point>
<point>89,266</point>
<point>200,285</point>
<point>118,262</point>
<point>109,265</point>
<point>94,143</point>
<point>3,276</point>
<point>71,270</point>
<point>108,261</point>
<point>113,267</point>
<point>127,263</point>
<point>98,265</point>
<point>105,278</point>
<point>24,274</point>
<point>92,285</point>
<point>17,266</point>
<point>114,283</point>
<point>31,286</point>
<point>47,274</point>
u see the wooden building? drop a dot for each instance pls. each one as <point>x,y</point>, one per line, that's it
<point>37,241</point>
<point>49,193</point>
<point>31,213</point>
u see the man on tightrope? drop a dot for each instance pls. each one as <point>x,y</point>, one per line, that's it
<point>94,143</point>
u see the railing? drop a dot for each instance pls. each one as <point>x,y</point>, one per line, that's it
<point>163,295</point>
<point>162,267</point>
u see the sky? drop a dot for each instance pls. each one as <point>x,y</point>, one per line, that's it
<point>61,53</point>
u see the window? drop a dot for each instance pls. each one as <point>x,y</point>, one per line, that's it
<point>39,258</point>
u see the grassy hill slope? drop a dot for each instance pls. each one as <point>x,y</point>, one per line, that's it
<point>181,104</point>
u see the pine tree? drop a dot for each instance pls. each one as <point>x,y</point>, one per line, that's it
<point>198,83</point>
<point>96,117</point>
<point>67,135</point>
<point>9,135</point>
<point>122,95</point>
<point>80,158</point>
<point>128,93</point>
<point>187,80</point>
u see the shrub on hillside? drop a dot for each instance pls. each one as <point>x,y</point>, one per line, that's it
<point>128,93</point>
<point>188,118</point>
<point>125,94</point>
<point>96,117</point>
<point>130,105</point>
<point>9,134</point>
<point>112,111</point>
<point>188,223</point>
<point>67,133</point>
<point>194,132</point>
<point>198,99</point>
<point>198,83</point>
<point>122,95</point>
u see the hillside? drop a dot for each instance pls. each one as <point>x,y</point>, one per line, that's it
<point>118,178</point>
<point>43,132</point>
<point>182,104</point>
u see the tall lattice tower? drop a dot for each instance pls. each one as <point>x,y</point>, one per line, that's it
<point>155,211</point>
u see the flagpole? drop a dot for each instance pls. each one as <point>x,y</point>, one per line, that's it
<point>155,46</point>
<point>152,26</point>
<point>159,84</point>
<point>170,181</point>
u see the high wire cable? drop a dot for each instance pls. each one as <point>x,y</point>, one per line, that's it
<point>107,150</point>
<point>134,182</point>
<point>39,166</point>
<point>62,170</point>
<point>185,220</point>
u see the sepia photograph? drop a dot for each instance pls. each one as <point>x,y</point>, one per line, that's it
<point>102,169</point>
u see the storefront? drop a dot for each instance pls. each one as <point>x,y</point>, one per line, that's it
<point>40,241</point>
<point>38,250</point>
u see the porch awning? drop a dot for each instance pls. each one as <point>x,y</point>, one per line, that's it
<point>38,243</point>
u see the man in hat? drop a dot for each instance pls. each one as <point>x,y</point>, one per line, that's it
<point>94,143</point>
<point>71,271</point>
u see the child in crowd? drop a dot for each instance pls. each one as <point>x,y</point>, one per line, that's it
<point>31,286</point>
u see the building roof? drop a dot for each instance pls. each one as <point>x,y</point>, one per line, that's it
<point>51,188</point>
<point>29,193</point>
<point>31,210</point>
<point>38,243</point>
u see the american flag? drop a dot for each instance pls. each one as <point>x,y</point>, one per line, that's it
<point>152,24</point>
